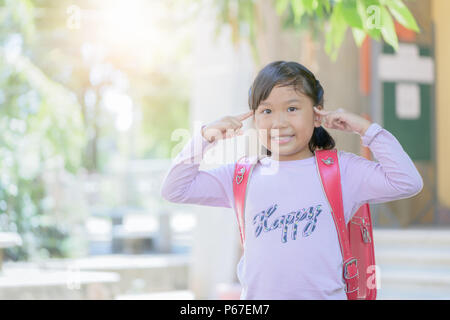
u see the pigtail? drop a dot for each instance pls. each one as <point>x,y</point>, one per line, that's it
<point>321,139</point>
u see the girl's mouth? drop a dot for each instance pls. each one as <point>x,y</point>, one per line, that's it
<point>283,139</point>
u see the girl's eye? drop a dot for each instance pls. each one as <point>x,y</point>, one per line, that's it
<point>270,111</point>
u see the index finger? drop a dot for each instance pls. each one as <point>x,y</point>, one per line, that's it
<point>320,111</point>
<point>244,116</point>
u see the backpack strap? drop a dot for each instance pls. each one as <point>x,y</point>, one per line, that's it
<point>242,172</point>
<point>329,174</point>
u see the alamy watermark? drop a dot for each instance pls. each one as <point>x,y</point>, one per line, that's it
<point>374,17</point>
<point>74,17</point>
<point>196,145</point>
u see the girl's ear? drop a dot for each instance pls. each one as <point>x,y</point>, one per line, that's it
<point>318,117</point>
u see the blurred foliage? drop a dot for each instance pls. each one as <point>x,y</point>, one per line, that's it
<point>373,18</point>
<point>41,128</point>
<point>175,109</point>
<point>55,85</point>
<point>159,91</point>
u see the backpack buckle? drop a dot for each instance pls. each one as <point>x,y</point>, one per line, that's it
<point>365,235</point>
<point>364,229</point>
<point>346,264</point>
<point>353,283</point>
<point>346,289</point>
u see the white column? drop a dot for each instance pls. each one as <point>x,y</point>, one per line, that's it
<point>221,79</point>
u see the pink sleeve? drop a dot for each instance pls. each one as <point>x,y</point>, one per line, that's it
<point>394,176</point>
<point>185,183</point>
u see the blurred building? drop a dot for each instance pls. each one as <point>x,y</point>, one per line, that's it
<point>442,51</point>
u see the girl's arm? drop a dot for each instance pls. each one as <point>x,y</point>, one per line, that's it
<point>185,183</point>
<point>393,177</point>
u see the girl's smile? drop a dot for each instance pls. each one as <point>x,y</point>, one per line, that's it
<point>283,139</point>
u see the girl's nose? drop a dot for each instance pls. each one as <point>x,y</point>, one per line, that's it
<point>280,121</point>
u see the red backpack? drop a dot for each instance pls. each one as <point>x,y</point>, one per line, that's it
<point>355,238</point>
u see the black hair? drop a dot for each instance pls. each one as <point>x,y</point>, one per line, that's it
<point>282,73</point>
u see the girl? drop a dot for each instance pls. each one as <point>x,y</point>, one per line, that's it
<point>280,261</point>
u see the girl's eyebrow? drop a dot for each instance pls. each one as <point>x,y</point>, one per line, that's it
<point>291,101</point>
<point>285,102</point>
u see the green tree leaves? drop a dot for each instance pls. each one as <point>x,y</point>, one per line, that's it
<point>402,14</point>
<point>388,28</point>
<point>373,18</point>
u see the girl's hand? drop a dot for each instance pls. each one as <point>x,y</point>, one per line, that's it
<point>343,120</point>
<point>226,127</point>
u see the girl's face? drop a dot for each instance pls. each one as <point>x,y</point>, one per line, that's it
<point>289,115</point>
